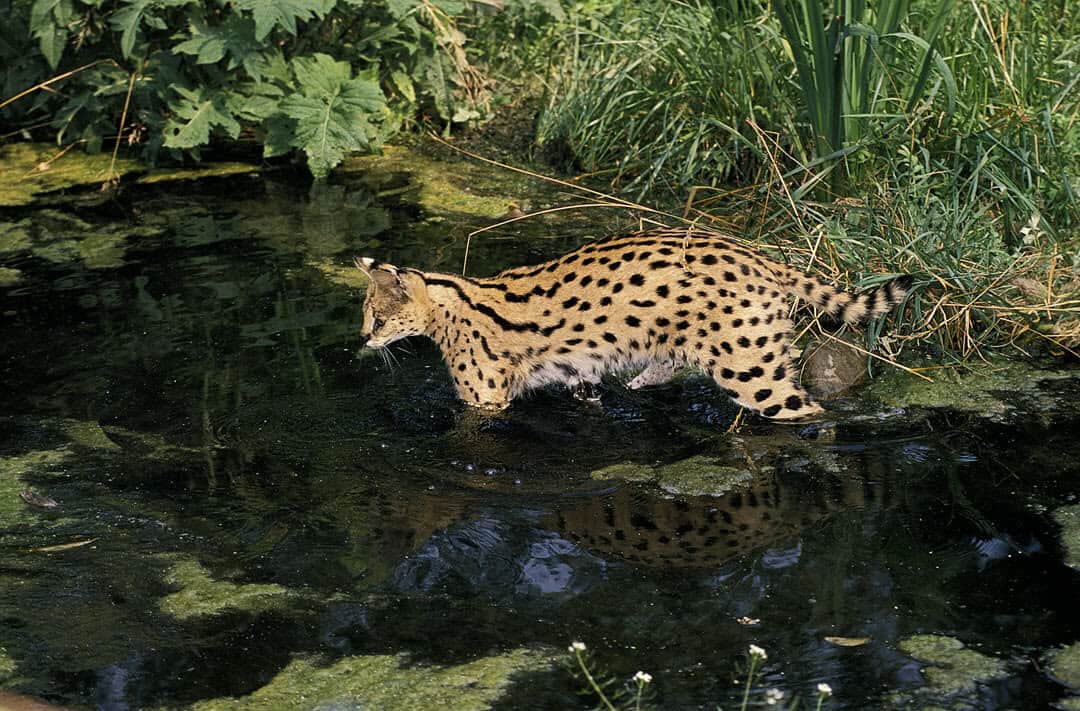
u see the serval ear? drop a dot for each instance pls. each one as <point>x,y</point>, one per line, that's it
<point>384,276</point>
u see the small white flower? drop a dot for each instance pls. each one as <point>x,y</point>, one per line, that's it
<point>824,689</point>
<point>643,677</point>
<point>773,696</point>
<point>577,646</point>
<point>756,651</point>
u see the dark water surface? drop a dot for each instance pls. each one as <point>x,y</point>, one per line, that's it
<point>178,373</point>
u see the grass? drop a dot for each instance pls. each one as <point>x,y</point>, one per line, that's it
<point>928,137</point>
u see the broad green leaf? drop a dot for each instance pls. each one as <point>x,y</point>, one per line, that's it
<point>53,41</point>
<point>278,140</point>
<point>401,8</point>
<point>199,112</point>
<point>331,111</point>
<point>254,101</point>
<point>403,84</point>
<point>269,14</point>
<point>270,64</point>
<point>48,23</point>
<point>126,20</point>
<point>450,7</point>
<point>438,85</point>
<point>235,37</point>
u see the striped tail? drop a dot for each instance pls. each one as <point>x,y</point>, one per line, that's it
<point>847,307</point>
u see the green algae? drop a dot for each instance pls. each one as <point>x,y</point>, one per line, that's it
<point>13,472</point>
<point>385,682</point>
<point>60,237</point>
<point>702,476</point>
<point>9,276</point>
<point>207,170</point>
<point>696,476</point>
<point>1068,517</point>
<point>7,665</point>
<point>626,471</point>
<point>348,276</point>
<point>30,169</point>
<point>992,391</point>
<point>14,236</point>
<point>441,187</point>
<point>200,595</point>
<point>955,669</point>
<point>1064,665</point>
<point>87,433</point>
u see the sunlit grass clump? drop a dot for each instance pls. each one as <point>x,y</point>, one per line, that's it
<point>929,137</point>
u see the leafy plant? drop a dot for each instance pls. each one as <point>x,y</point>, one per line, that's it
<point>325,77</point>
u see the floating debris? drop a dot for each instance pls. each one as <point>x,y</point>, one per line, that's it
<point>848,641</point>
<point>63,546</point>
<point>39,500</point>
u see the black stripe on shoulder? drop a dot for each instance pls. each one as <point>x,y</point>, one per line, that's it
<point>504,323</point>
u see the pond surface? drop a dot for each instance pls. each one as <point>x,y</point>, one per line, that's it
<point>248,503</point>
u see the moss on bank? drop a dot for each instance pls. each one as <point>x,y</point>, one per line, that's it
<point>460,187</point>
<point>28,170</point>
<point>384,682</point>
<point>991,391</point>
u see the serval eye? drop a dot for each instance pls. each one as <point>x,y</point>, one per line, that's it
<point>377,323</point>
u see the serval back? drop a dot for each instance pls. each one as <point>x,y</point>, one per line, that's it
<point>659,299</point>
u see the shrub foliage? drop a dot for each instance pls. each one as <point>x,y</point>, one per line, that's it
<point>324,77</point>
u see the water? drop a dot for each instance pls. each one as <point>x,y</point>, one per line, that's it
<point>186,381</point>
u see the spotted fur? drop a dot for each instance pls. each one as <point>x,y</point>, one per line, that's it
<point>660,299</point>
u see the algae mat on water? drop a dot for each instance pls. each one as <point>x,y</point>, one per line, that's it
<point>31,169</point>
<point>386,682</point>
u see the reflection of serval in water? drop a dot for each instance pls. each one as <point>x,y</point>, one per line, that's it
<point>702,531</point>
